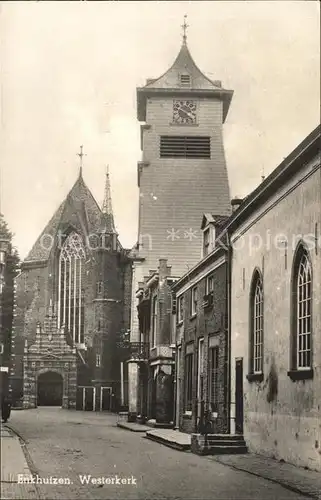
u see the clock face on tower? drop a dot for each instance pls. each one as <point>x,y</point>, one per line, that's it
<point>184,112</point>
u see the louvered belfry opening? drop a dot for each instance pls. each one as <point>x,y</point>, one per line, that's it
<point>177,146</point>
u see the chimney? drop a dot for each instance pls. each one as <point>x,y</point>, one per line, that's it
<point>162,268</point>
<point>235,203</point>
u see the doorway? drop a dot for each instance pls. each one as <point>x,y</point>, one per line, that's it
<point>105,398</point>
<point>49,389</point>
<point>239,396</point>
<point>86,398</point>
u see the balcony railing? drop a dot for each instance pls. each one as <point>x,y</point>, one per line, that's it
<point>139,350</point>
<point>135,350</point>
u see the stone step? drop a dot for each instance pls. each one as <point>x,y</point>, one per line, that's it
<point>157,425</point>
<point>226,437</point>
<point>227,450</point>
<point>221,442</point>
<point>176,440</point>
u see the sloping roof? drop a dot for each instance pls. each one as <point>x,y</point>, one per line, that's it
<point>79,209</point>
<point>183,64</point>
<point>170,83</point>
<point>217,220</point>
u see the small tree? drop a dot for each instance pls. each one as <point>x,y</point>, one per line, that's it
<point>8,292</point>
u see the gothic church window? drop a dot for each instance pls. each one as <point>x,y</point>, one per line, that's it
<point>257,325</point>
<point>302,312</point>
<point>71,287</point>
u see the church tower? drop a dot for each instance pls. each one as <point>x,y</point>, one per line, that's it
<point>183,171</point>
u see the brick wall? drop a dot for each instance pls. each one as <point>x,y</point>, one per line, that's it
<point>208,323</point>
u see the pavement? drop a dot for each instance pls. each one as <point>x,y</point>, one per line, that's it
<point>296,479</point>
<point>14,466</point>
<point>96,460</point>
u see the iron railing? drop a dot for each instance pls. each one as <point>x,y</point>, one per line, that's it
<point>135,350</point>
<point>204,421</point>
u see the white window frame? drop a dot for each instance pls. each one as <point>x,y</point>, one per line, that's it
<point>304,314</point>
<point>206,241</point>
<point>194,301</point>
<point>207,287</point>
<point>154,322</point>
<point>180,309</point>
<point>98,360</point>
<point>200,367</point>
<point>258,327</point>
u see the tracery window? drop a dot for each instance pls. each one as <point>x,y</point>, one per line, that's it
<point>71,287</point>
<point>302,349</point>
<point>257,324</point>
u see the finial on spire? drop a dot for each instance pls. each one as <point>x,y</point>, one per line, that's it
<point>185,26</point>
<point>81,155</point>
<point>107,208</point>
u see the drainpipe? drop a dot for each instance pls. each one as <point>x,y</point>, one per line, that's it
<point>229,333</point>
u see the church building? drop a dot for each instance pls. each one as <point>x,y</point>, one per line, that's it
<point>181,176</point>
<point>71,307</point>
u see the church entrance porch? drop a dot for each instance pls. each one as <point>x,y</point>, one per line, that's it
<point>50,389</point>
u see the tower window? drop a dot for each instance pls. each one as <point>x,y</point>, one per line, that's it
<point>98,360</point>
<point>176,146</point>
<point>185,79</point>
<point>99,287</point>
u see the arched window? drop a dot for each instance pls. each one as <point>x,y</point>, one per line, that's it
<point>256,325</point>
<point>302,311</point>
<point>71,286</point>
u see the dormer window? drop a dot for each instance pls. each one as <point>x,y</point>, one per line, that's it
<point>185,80</point>
<point>206,242</point>
<point>208,239</point>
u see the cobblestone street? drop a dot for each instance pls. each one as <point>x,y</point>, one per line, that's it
<point>70,444</point>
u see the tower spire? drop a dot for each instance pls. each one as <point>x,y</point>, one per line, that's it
<point>81,155</point>
<point>107,208</point>
<point>185,26</point>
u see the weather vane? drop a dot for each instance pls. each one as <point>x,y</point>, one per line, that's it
<point>81,155</point>
<point>185,26</point>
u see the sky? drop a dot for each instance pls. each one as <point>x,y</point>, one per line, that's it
<point>69,72</point>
